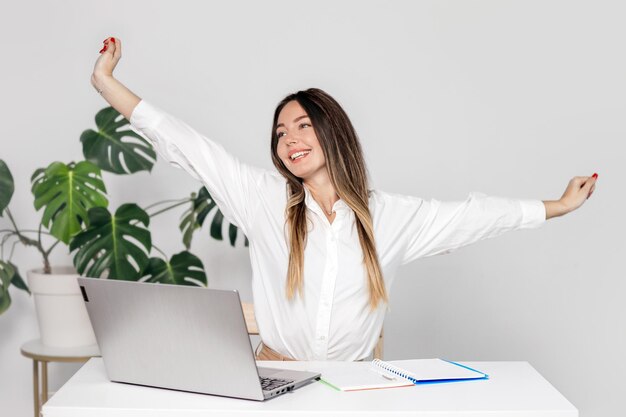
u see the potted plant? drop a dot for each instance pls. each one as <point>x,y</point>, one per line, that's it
<point>9,274</point>
<point>108,245</point>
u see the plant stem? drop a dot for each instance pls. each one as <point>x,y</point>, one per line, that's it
<point>52,247</point>
<point>31,242</point>
<point>23,239</point>
<point>13,248</point>
<point>160,251</point>
<point>170,207</point>
<point>46,261</point>
<point>5,238</point>
<point>25,231</point>
<point>164,202</point>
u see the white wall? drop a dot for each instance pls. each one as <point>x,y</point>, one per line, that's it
<point>509,98</point>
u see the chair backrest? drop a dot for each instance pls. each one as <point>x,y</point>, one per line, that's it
<point>248,314</point>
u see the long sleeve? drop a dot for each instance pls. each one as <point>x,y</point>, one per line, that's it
<point>421,228</point>
<point>232,184</point>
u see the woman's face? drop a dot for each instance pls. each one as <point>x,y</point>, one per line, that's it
<point>298,146</point>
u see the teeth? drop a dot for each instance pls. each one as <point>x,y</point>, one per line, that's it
<point>299,155</point>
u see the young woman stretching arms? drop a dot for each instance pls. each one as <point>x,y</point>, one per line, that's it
<point>324,248</point>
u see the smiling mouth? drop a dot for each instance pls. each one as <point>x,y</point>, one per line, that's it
<point>299,155</point>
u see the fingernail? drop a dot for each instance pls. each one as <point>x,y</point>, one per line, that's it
<point>113,40</point>
<point>595,175</point>
<point>103,49</point>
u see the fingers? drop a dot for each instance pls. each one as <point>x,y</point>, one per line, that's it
<point>105,46</point>
<point>580,181</point>
<point>117,45</point>
<point>109,57</point>
<point>593,187</point>
<point>110,46</point>
<point>592,183</point>
<point>584,181</point>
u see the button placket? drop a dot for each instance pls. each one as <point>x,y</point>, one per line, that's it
<point>326,297</point>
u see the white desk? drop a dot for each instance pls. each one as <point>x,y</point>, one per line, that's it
<point>514,389</point>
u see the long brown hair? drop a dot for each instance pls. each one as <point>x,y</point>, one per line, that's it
<point>348,174</point>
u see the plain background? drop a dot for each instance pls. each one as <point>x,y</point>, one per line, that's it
<point>508,98</point>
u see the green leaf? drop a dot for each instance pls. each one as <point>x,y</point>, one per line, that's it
<point>5,300</point>
<point>17,280</point>
<point>232,234</point>
<point>204,204</point>
<point>112,147</point>
<point>6,186</point>
<point>216,226</point>
<point>68,192</point>
<point>183,269</point>
<point>109,242</point>
<point>189,221</point>
<point>7,272</point>
<point>194,217</point>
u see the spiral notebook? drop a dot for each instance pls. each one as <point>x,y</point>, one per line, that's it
<point>402,373</point>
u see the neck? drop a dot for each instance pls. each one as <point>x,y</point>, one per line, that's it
<point>323,192</point>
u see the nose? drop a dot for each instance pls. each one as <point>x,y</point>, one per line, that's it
<point>291,139</point>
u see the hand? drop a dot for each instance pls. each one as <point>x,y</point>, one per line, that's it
<point>577,192</point>
<point>110,55</point>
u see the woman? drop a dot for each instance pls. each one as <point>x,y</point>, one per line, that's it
<point>324,248</point>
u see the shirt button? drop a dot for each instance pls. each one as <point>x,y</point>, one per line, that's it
<point>322,337</point>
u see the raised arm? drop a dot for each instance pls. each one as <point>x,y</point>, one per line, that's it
<point>119,97</point>
<point>237,188</point>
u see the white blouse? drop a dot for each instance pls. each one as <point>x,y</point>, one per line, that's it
<point>333,319</point>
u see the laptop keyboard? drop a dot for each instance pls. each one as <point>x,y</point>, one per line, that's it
<point>269,384</point>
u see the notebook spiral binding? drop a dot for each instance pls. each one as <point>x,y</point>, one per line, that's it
<point>394,370</point>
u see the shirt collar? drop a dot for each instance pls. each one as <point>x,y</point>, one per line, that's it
<point>310,202</point>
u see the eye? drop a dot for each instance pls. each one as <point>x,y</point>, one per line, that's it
<point>305,124</point>
<point>278,135</point>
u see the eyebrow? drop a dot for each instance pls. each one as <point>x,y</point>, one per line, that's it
<point>294,120</point>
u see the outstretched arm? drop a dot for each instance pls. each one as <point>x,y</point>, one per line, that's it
<point>417,228</point>
<point>119,97</point>
<point>577,192</point>
<point>235,187</point>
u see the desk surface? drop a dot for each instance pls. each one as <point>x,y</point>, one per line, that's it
<point>515,389</point>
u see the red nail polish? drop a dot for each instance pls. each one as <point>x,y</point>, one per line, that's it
<point>595,176</point>
<point>113,40</point>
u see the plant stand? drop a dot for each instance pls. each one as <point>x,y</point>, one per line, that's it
<point>41,354</point>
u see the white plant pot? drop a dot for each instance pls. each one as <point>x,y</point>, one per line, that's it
<point>61,312</point>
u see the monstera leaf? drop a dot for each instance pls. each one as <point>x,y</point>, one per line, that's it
<point>6,186</point>
<point>194,218</point>
<point>68,192</point>
<point>8,276</point>
<point>183,269</point>
<point>109,242</point>
<point>112,147</point>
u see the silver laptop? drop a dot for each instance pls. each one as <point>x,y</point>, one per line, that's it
<point>180,337</point>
